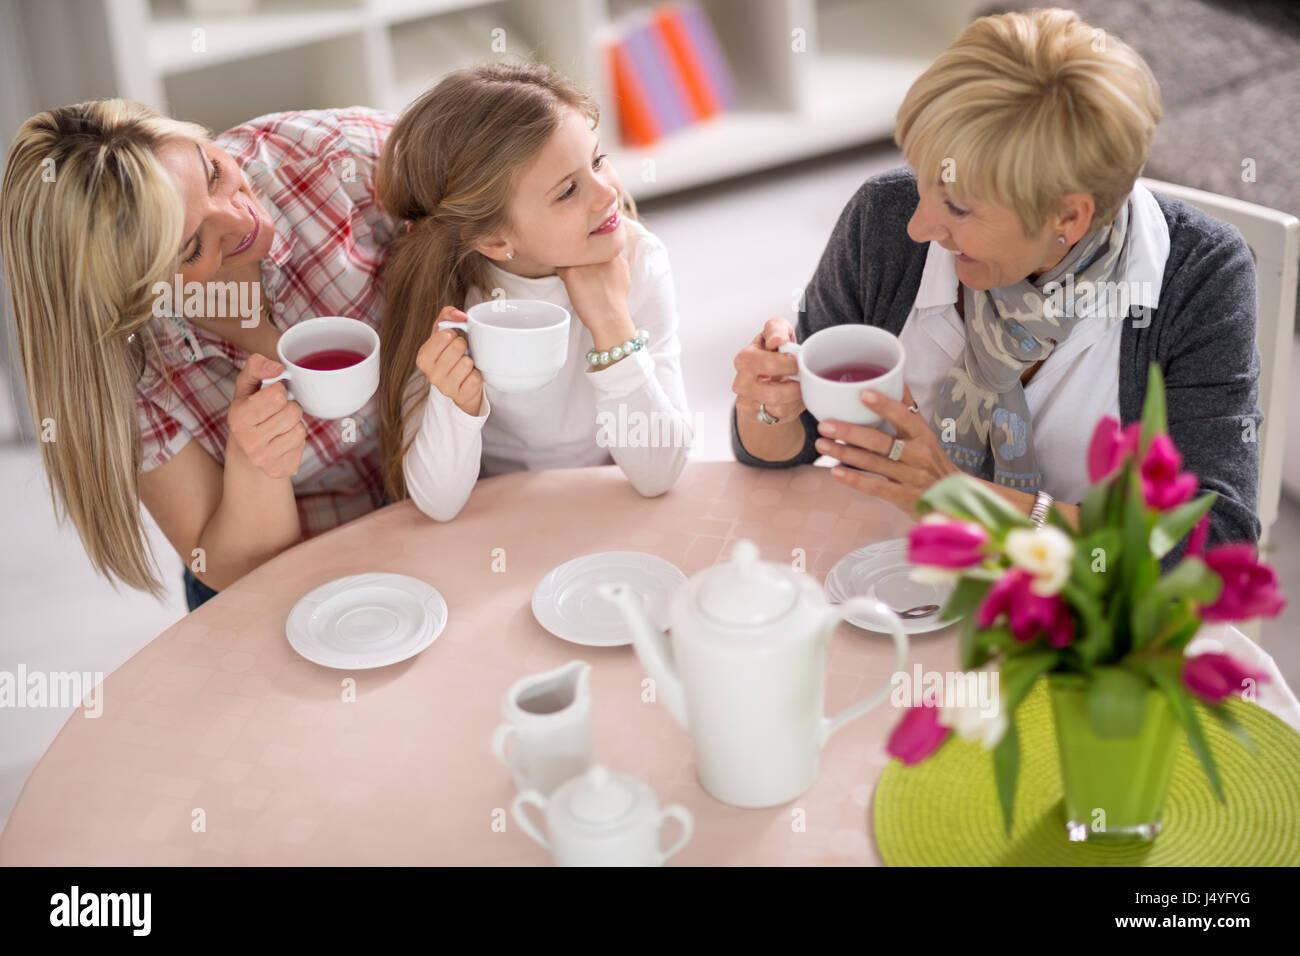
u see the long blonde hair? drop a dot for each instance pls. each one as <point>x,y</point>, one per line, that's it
<point>89,221</point>
<point>448,168</point>
<point>1025,108</point>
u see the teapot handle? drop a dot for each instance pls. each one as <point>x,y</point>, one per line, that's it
<point>521,817</point>
<point>682,816</point>
<point>878,611</point>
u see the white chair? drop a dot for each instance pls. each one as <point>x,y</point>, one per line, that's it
<point>1274,241</point>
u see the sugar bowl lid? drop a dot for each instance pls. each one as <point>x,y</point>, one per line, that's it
<point>602,798</point>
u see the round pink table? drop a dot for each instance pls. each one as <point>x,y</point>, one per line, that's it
<point>218,744</point>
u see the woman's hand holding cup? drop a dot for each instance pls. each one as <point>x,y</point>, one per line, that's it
<point>265,426</point>
<point>761,384</point>
<point>444,359</point>
<point>761,375</point>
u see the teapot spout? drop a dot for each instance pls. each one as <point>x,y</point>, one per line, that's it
<point>650,647</point>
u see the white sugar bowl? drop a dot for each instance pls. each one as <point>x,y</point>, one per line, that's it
<point>602,818</point>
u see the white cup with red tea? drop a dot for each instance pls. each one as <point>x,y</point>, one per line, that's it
<point>517,344</point>
<point>837,364</point>
<point>331,365</point>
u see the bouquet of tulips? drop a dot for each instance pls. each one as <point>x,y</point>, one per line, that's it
<point>1091,601</point>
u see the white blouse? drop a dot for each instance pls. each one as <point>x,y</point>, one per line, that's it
<point>1078,383</point>
<point>633,412</point>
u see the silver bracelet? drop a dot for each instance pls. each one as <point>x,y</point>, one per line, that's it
<point>1038,513</point>
<point>597,359</point>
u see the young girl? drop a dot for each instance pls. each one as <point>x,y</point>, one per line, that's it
<point>499,174</point>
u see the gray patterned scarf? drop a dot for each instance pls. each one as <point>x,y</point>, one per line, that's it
<point>1008,330</point>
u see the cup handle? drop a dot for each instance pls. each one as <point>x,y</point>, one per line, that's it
<point>500,738</point>
<point>521,817</point>
<point>682,816</point>
<point>791,348</point>
<point>282,377</point>
<point>454,324</point>
<point>873,608</point>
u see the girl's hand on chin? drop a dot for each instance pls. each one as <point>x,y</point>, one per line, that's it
<point>599,296</point>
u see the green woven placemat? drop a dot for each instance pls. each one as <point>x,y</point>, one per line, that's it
<point>944,811</point>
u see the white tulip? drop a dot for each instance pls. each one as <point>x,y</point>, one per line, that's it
<point>972,723</point>
<point>926,574</point>
<point>1045,552</point>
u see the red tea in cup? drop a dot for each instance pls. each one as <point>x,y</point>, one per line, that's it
<point>852,372</point>
<point>330,360</point>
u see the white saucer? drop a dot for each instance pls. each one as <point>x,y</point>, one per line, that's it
<point>366,620</point>
<point>567,605</point>
<point>882,571</point>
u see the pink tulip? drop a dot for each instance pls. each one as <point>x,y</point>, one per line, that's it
<point>1215,677</point>
<point>1163,485</point>
<point>954,544</point>
<point>917,735</point>
<point>1249,586</point>
<point>1028,614</point>
<point>1110,446</point>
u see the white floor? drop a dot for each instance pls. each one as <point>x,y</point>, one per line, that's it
<point>741,254</point>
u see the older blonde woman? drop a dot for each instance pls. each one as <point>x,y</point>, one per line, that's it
<point>1026,136</point>
<point>143,396</point>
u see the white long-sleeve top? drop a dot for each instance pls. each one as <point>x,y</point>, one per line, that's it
<point>633,411</point>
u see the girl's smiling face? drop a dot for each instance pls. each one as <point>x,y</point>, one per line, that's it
<point>566,208</point>
<point>226,227</point>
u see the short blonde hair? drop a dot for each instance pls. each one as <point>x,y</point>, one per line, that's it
<point>1024,108</point>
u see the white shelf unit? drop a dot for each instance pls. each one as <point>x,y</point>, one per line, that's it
<point>812,76</point>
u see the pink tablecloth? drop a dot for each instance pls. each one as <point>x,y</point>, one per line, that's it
<point>218,744</point>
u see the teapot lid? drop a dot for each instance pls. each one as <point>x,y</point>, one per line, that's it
<point>600,798</point>
<point>746,591</point>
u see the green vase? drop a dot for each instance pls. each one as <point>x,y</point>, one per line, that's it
<point>1115,787</point>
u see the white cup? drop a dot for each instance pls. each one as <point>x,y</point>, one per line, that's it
<point>517,344</point>
<point>547,735</point>
<point>843,345</point>
<point>333,393</point>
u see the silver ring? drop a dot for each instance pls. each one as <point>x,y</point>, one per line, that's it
<point>896,451</point>
<point>914,408</point>
<point>766,417</point>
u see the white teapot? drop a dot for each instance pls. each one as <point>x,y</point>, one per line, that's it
<point>601,818</point>
<point>749,641</point>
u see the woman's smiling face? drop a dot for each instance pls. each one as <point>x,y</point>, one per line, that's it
<point>226,227</point>
<point>566,208</point>
<point>989,244</point>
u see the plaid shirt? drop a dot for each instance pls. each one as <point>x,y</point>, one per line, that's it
<point>314,171</point>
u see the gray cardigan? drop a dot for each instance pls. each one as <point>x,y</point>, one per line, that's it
<point>1202,335</point>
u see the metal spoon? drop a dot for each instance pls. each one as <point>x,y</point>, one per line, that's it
<point>912,613</point>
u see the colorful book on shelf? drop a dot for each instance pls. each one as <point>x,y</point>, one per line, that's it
<point>700,86</point>
<point>655,67</point>
<point>695,44</point>
<point>636,116</point>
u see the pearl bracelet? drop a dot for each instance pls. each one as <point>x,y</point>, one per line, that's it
<point>597,359</point>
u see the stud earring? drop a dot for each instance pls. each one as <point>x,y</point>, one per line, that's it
<point>1061,239</point>
<point>511,255</point>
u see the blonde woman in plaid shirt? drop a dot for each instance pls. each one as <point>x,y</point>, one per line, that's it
<point>106,203</point>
